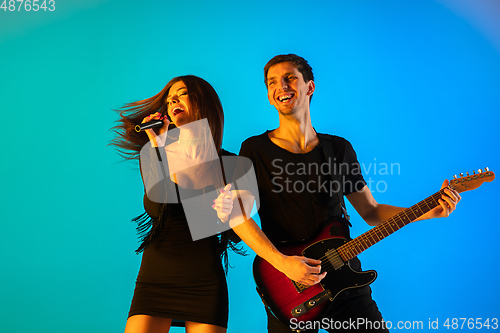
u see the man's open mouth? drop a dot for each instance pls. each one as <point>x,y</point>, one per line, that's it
<point>285,97</point>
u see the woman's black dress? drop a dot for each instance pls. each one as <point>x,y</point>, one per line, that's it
<point>180,278</point>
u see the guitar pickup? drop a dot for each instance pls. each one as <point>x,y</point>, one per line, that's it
<point>311,303</point>
<point>334,258</point>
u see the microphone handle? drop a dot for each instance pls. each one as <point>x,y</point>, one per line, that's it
<point>148,125</point>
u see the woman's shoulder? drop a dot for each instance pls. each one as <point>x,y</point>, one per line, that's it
<point>224,152</point>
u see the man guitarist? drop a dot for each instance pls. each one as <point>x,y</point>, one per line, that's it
<point>297,193</point>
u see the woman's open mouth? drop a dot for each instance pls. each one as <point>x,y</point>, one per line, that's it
<point>177,110</point>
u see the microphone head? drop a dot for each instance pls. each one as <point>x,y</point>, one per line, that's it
<point>150,124</point>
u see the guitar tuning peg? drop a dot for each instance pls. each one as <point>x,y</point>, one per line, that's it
<point>467,173</point>
<point>455,177</point>
<point>461,174</point>
<point>479,170</point>
<point>474,172</point>
<point>486,169</point>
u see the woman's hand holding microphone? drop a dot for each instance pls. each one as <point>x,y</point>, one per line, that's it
<point>157,140</point>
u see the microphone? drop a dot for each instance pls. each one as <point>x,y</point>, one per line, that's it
<point>148,125</point>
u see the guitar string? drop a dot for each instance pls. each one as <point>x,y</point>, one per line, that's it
<point>397,219</point>
<point>424,206</point>
<point>368,238</point>
<point>388,227</point>
<point>379,230</point>
<point>344,249</point>
<point>385,229</point>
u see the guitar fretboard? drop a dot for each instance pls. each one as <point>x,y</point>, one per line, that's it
<point>354,247</point>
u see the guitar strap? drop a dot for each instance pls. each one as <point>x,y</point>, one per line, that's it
<point>331,158</point>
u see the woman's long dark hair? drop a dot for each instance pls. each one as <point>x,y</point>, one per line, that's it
<point>202,97</point>
<point>206,102</point>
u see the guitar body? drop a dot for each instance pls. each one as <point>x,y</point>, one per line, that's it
<point>286,299</point>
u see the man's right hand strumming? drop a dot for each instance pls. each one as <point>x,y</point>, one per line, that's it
<point>301,269</point>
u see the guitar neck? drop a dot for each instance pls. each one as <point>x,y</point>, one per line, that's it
<point>354,247</point>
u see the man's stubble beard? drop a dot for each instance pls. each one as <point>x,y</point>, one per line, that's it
<point>287,112</point>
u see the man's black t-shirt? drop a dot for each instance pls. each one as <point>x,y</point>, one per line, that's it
<point>296,194</point>
<point>296,191</point>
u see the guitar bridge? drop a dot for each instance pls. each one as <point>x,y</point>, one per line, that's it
<point>311,303</point>
<point>298,286</point>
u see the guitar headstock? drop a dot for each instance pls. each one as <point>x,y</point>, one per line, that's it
<point>471,182</point>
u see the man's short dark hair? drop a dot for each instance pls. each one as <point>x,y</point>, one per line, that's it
<point>297,61</point>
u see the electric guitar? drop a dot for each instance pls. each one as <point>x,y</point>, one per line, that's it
<point>287,299</point>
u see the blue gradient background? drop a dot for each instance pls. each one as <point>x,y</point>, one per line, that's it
<point>410,82</point>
